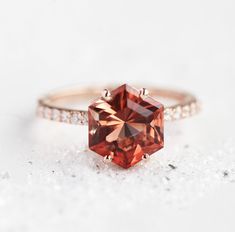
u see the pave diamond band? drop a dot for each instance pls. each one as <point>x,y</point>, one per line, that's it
<point>54,106</point>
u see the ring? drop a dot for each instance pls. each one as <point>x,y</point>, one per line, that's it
<point>125,124</point>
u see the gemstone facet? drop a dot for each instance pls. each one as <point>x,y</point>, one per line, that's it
<point>126,127</point>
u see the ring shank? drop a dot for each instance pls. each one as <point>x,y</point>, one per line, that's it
<point>54,105</point>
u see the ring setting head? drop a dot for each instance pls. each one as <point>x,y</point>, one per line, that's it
<point>127,123</point>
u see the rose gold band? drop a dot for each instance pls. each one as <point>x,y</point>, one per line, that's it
<point>55,105</point>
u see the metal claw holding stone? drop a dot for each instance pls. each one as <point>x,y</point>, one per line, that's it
<point>108,159</point>
<point>106,94</point>
<point>144,93</point>
<point>146,156</point>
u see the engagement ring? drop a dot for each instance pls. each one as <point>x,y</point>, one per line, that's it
<point>125,124</point>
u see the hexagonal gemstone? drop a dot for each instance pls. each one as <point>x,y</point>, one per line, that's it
<point>126,127</point>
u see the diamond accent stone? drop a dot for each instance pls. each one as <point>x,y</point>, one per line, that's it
<point>177,113</point>
<point>65,116</point>
<point>75,118</point>
<point>126,127</point>
<point>193,108</point>
<point>186,111</point>
<point>55,115</point>
<point>85,117</point>
<point>168,114</point>
<point>47,112</point>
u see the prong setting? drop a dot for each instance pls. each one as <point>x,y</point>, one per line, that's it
<point>92,131</point>
<point>108,158</point>
<point>146,156</point>
<point>106,94</point>
<point>144,93</point>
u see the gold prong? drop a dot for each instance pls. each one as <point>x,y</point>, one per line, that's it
<point>145,156</point>
<point>106,94</point>
<point>144,92</point>
<point>108,159</point>
<point>92,131</point>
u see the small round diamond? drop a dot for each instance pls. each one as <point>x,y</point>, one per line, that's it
<point>55,115</point>
<point>85,117</point>
<point>177,113</point>
<point>185,111</point>
<point>193,108</point>
<point>168,114</point>
<point>75,118</point>
<point>65,116</point>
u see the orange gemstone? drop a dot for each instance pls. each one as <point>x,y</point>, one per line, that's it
<point>126,127</point>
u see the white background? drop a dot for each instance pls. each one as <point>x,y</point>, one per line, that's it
<point>48,184</point>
